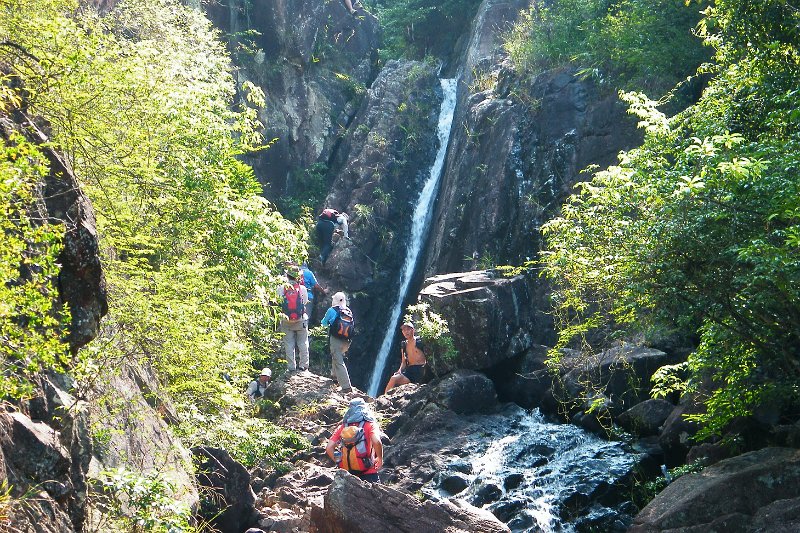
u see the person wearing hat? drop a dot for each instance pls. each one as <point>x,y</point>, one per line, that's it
<point>257,387</point>
<point>356,445</point>
<point>294,322</point>
<point>339,344</point>
<point>412,359</point>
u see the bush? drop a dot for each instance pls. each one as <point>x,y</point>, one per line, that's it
<point>632,44</point>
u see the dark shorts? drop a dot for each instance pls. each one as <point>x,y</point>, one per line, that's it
<point>372,478</point>
<point>414,373</point>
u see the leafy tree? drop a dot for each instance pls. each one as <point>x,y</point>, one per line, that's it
<point>699,228</point>
<point>142,103</point>
<point>31,325</point>
<point>418,28</point>
<point>647,45</point>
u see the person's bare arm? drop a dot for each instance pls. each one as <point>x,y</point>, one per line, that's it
<point>377,445</point>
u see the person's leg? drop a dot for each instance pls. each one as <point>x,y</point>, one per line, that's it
<point>302,345</point>
<point>349,5</point>
<point>324,235</point>
<point>289,343</point>
<point>338,349</point>
<point>395,381</point>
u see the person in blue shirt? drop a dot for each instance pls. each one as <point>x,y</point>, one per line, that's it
<point>339,345</point>
<point>312,285</point>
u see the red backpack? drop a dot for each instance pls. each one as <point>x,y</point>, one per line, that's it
<point>292,302</point>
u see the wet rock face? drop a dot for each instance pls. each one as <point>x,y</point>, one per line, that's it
<point>380,167</point>
<point>757,491</point>
<point>314,62</point>
<point>518,147</point>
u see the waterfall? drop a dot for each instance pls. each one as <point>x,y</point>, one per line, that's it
<point>419,226</point>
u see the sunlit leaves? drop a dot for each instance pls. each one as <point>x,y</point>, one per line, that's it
<point>31,325</point>
<point>142,102</point>
<point>697,229</point>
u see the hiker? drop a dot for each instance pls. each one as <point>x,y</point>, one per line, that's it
<point>294,322</point>
<point>259,385</point>
<point>327,222</point>
<point>312,286</point>
<point>341,325</point>
<point>356,445</point>
<point>412,359</point>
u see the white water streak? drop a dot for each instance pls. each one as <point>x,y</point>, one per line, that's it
<point>419,226</point>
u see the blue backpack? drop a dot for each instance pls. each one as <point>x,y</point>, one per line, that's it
<point>343,326</point>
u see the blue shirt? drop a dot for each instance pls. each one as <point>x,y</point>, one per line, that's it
<point>309,280</point>
<point>330,316</point>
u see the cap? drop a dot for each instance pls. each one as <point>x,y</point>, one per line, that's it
<point>409,324</point>
<point>266,372</point>
<point>357,401</point>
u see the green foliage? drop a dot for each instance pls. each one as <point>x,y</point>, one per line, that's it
<point>697,228</point>
<point>643,493</point>
<point>32,326</point>
<point>417,28</point>
<point>309,187</point>
<point>251,441</point>
<point>635,43</point>
<point>141,503</point>
<point>141,103</point>
<point>432,328</point>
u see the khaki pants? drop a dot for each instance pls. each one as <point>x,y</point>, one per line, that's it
<point>295,339</point>
<point>338,348</point>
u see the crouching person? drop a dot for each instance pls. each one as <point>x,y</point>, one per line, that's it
<point>356,445</point>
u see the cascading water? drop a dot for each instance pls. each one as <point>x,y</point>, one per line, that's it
<point>420,220</point>
<point>535,475</point>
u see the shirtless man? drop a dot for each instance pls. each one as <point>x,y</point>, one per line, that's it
<point>412,359</point>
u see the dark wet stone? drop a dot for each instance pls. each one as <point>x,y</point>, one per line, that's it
<point>505,510</point>
<point>486,494</point>
<point>465,467</point>
<point>455,483</point>
<point>513,481</point>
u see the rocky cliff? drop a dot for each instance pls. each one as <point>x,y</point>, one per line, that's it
<point>519,145</point>
<point>314,61</point>
<point>380,166</point>
<point>53,443</point>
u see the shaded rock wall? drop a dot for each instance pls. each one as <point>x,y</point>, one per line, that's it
<point>313,61</point>
<point>380,167</point>
<point>519,145</point>
<point>491,318</point>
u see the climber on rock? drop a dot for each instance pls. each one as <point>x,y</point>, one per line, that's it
<point>348,4</point>
<point>328,221</point>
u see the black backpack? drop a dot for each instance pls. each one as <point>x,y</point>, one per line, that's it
<point>343,326</point>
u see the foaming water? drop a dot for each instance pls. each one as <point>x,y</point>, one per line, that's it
<point>538,476</point>
<point>419,226</point>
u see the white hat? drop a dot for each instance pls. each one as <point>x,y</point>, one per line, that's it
<point>266,372</point>
<point>339,299</point>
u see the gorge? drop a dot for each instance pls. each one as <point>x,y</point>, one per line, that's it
<point>462,163</point>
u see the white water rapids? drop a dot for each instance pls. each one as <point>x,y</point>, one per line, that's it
<point>419,227</point>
